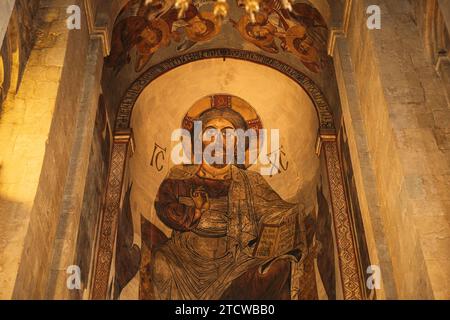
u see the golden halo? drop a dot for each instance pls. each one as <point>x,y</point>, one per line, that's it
<point>219,101</point>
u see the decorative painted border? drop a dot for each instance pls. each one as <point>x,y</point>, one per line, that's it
<point>323,110</point>
<point>109,220</point>
<point>346,246</point>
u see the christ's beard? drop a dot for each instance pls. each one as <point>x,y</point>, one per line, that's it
<point>222,162</point>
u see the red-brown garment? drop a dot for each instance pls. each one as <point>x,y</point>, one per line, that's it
<point>180,216</point>
<point>193,265</point>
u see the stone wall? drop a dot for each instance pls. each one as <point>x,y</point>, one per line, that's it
<point>37,133</point>
<point>404,114</point>
<point>47,145</point>
<point>93,198</point>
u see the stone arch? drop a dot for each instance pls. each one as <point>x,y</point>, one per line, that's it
<point>123,149</point>
<point>323,110</point>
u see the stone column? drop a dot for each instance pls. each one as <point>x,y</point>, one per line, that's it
<point>363,168</point>
<point>64,251</point>
<point>66,239</point>
<point>403,107</point>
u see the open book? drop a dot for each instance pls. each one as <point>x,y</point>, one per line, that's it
<point>277,234</point>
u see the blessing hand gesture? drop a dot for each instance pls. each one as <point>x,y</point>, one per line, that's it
<point>201,201</point>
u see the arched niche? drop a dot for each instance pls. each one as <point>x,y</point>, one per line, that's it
<point>322,108</point>
<point>279,102</point>
<point>280,94</point>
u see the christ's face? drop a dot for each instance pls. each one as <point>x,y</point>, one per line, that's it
<point>219,126</point>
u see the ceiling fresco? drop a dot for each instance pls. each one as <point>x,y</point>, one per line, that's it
<point>143,31</point>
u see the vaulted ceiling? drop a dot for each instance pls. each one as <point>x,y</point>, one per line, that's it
<point>146,32</point>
